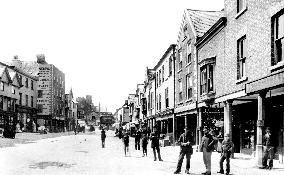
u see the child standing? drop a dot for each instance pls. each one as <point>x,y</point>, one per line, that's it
<point>126,143</point>
<point>226,151</point>
<point>144,144</point>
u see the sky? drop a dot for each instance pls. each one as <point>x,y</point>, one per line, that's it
<point>103,47</point>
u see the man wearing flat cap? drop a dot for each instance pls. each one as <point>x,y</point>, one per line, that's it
<point>185,142</point>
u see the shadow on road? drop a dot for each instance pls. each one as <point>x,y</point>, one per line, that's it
<point>43,165</point>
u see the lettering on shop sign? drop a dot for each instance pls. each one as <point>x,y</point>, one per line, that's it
<point>44,68</point>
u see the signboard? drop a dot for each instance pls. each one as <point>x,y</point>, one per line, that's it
<point>265,83</point>
<point>44,89</point>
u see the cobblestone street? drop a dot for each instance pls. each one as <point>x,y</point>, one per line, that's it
<point>82,154</point>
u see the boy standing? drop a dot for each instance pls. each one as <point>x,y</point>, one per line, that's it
<point>226,151</point>
<point>144,144</point>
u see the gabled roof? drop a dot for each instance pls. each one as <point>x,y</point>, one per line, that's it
<point>13,75</point>
<point>203,20</point>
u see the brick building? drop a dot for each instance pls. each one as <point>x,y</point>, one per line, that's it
<point>240,64</point>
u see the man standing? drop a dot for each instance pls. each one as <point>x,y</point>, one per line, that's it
<point>103,137</point>
<point>207,146</point>
<point>155,144</point>
<point>137,139</point>
<point>185,141</point>
<point>268,150</point>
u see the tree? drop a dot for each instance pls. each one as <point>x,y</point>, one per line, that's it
<point>85,105</point>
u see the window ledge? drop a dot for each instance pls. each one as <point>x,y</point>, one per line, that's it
<point>241,12</point>
<point>277,66</point>
<point>180,103</point>
<point>188,64</point>
<point>179,71</point>
<point>241,80</point>
<point>189,100</point>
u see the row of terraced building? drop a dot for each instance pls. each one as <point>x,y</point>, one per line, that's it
<point>226,72</point>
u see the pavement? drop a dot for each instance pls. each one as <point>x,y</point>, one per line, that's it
<point>82,154</point>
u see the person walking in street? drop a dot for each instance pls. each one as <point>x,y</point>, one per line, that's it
<point>268,150</point>
<point>126,143</point>
<point>226,151</point>
<point>137,139</point>
<point>207,146</point>
<point>103,137</point>
<point>185,142</point>
<point>144,144</point>
<point>155,144</point>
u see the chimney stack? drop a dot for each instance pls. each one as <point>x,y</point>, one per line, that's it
<point>41,58</point>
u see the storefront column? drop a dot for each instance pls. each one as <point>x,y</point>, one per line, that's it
<point>228,117</point>
<point>174,129</point>
<point>199,126</point>
<point>185,121</point>
<point>260,124</point>
<point>281,140</point>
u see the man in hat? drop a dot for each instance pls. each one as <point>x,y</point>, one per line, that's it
<point>155,143</point>
<point>185,142</point>
<point>207,146</point>
<point>226,151</point>
<point>268,150</point>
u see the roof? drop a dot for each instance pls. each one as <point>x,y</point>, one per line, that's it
<point>203,20</point>
<point>30,67</point>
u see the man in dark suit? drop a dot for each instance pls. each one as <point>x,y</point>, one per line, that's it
<point>155,143</point>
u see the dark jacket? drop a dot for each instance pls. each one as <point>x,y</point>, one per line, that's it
<point>144,141</point>
<point>185,142</point>
<point>103,135</point>
<point>208,142</point>
<point>227,148</point>
<point>155,139</point>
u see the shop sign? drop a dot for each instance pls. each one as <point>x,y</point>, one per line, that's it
<point>265,83</point>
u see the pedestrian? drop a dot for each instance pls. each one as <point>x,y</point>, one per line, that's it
<point>268,150</point>
<point>137,139</point>
<point>185,142</point>
<point>207,146</point>
<point>126,143</point>
<point>144,144</point>
<point>155,143</point>
<point>103,137</point>
<point>226,151</point>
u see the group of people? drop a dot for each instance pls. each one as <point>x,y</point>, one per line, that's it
<point>207,146</point>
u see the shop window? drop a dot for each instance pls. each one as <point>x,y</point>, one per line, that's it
<point>241,55</point>
<point>278,38</point>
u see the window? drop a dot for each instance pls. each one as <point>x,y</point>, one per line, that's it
<point>2,86</point>
<point>279,38</point>
<point>160,77</point>
<point>241,5</point>
<point>157,79</point>
<point>151,96</point>
<point>170,66</point>
<point>160,102</point>
<point>39,93</point>
<point>180,60</point>
<point>27,82</point>
<point>163,73</point>
<point>20,101</point>
<point>206,81</point>
<point>188,60</point>
<point>188,86</point>
<point>32,101</point>
<point>32,84</point>
<point>167,97</point>
<point>242,54</point>
<point>1,102</point>
<point>9,104</point>
<point>13,90</point>
<point>27,100</point>
<point>180,90</point>
<point>21,79</point>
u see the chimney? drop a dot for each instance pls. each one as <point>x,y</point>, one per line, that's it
<point>16,62</point>
<point>41,58</point>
